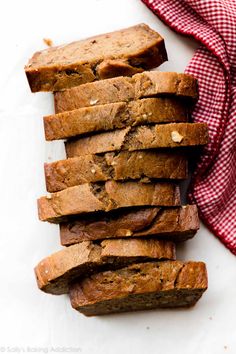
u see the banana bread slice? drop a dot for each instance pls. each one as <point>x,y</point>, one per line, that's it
<point>114,116</point>
<point>140,138</point>
<point>121,166</point>
<point>146,84</point>
<point>106,196</point>
<point>140,286</point>
<point>56,272</point>
<point>175,224</point>
<point>123,52</point>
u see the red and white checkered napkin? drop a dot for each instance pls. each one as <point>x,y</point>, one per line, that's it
<point>213,24</point>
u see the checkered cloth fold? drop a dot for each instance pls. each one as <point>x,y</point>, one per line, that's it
<point>213,24</point>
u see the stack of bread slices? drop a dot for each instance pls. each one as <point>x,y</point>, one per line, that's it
<point>116,196</point>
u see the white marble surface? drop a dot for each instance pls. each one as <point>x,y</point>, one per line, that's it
<point>29,319</point>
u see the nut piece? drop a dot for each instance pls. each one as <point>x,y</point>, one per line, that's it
<point>145,180</point>
<point>176,136</point>
<point>93,102</point>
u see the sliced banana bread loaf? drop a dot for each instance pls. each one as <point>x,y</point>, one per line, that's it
<point>121,166</point>
<point>176,224</point>
<point>139,138</point>
<point>140,286</point>
<point>106,196</point>
<point>56,272</point>
<point>146,84</point>
<point>123,52</point>
<point>115,116</point>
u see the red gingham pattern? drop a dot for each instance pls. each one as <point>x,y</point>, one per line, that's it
<point>213,24</point>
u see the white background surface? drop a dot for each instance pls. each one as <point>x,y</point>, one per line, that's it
<point>29,319</point>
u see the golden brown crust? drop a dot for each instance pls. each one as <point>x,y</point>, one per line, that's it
<point>146,84</point>
<point>121,166</point>
<point>56,272</point>
<point>140,138</point>
<point>104,197</point>
<point>175,224</point>
<point>140,286</point>
<point>114,116</point>
<point>123,52</point>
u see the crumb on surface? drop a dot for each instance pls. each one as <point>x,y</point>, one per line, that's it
<point>48,42</point>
